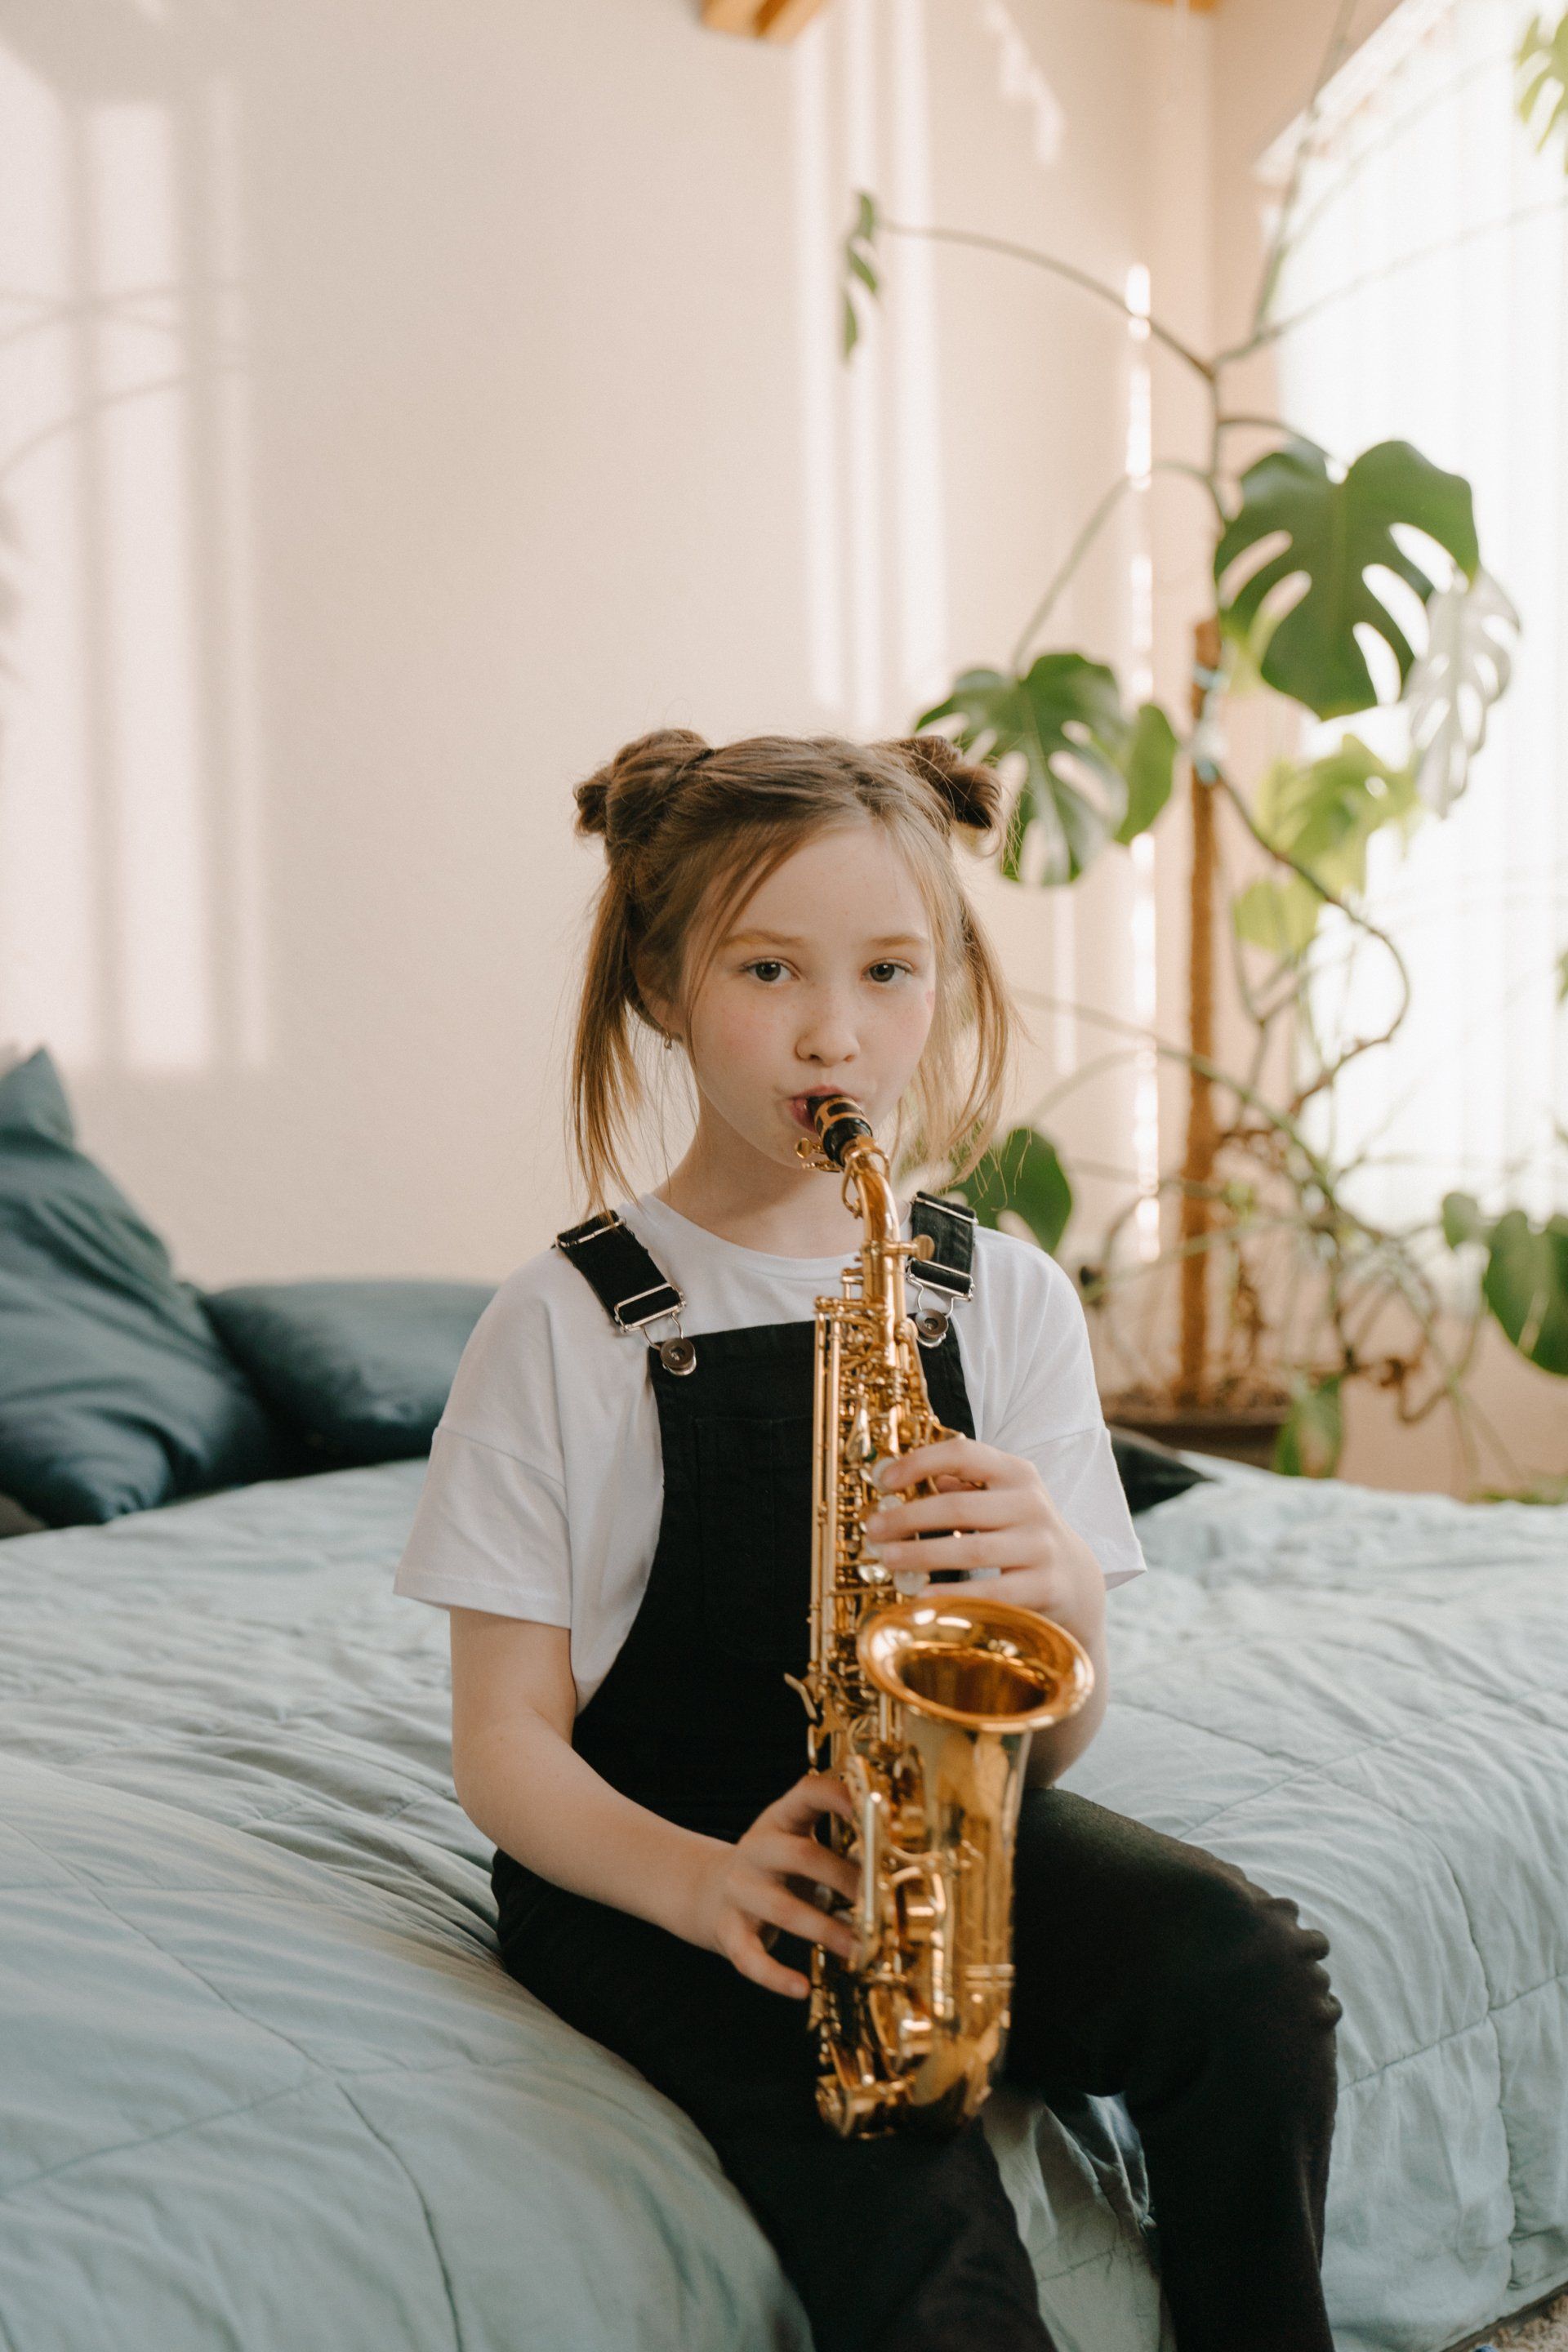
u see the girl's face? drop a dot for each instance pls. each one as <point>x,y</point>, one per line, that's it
<point>823,982</point>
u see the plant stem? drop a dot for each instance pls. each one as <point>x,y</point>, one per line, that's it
<point>978,242</point>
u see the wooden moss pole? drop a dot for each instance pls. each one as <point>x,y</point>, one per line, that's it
<point>1198,1162</point>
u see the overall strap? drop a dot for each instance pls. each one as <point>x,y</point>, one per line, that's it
<point>630,1287</point>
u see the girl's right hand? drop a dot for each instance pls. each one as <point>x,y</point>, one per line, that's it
<point>750,1888</point>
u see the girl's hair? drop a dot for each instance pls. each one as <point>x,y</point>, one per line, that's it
<point>691,831</point>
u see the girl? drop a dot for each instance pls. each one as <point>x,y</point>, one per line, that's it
<point>618,1516</point>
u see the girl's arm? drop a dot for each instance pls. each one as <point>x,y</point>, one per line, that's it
<point>520,1782</point>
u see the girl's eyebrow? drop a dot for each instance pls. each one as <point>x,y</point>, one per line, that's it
<point>786,940</point>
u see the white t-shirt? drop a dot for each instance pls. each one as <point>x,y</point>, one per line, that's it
<point>546,1481</point>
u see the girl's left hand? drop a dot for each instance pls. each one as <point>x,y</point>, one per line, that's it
<point>1003,1525</point>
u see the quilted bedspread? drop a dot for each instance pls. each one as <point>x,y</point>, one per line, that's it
<point>263,2085</point>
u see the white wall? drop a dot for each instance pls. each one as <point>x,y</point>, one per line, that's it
<point>416,401</point>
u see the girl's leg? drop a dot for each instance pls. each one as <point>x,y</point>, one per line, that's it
<point>894,2244</point>
<point>1149,1968</point>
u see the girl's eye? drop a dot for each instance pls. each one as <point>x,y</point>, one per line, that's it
<point>889,967</point>
<point>764,964</point>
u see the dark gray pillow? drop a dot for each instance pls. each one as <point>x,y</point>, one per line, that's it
<point>1150,1472</point>
<point>115,1394</point>
<point>358,1370</point>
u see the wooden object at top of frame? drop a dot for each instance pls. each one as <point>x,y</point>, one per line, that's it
<point>765,20</point>
<point>780,20</point>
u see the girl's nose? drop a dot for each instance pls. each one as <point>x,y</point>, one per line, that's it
<point>828,1039</point>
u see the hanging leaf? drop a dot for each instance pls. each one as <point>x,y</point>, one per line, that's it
<point>1089,768</point>
<point>1543,63</point>
<point>1470,630</point>
<point>1280,917</point>
<point>1022,1173</point>
<point>860,265</point>
<point>1464,1219</point>
<point>1150,766</point>
<point>1312,1439</point>
<point>1322,816</point>
<point>1526,1286</point>
<point>1336,532</point>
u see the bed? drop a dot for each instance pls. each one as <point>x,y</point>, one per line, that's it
<point>263,2084</point>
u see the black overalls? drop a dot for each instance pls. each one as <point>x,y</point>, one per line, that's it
<point>1144,1967</point>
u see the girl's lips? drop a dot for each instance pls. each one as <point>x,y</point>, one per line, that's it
<point>799,1111</point>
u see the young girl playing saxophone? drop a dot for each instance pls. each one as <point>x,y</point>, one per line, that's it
<point>618,1516</point>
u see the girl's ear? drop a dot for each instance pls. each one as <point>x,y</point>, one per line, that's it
<point>659,1010</point>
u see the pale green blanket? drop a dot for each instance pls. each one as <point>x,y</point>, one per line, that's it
<point>263,2085</point>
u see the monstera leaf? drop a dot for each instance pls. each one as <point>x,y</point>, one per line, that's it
<point>1022,1173</point>
<point>1322,816</point>
<point>1090,773</point>
<point>1469,660</point>
<point>1336,532</point>
<point>1526,1280</point>
<point>1543,63</point>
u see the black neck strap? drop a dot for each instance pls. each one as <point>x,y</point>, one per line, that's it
<point>634,1292</point>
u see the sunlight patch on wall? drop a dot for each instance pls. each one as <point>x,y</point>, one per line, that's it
<point>1141,686</point>
<point>817,309</point>
<point>49,916</point>
<point>865,394</point>
<point>921,549</point>
<point>130,849</point>
<point>142,425</point>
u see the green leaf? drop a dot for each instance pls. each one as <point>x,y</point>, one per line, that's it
<point>1563,977</point>
<point>1526,1286</point>
<point>1080,755</point>
<point>1149,764</point>
<point>860,265</point>
<point>1542,64</point>
<point>1281,918</point>
<point>1336,532</point>
<point>1022,1173</point>
<point>1463,1219</point>
<point>1324,814</point>
<point>1312,1439</point>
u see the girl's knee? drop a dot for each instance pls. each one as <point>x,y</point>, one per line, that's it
<point>1240,1959</point>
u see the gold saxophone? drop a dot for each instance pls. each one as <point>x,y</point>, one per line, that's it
<point>923,1707</point>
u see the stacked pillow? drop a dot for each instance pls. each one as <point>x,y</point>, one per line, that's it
<point>122,1387</point>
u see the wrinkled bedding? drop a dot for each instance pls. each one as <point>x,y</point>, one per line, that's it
<point>264,2085</point>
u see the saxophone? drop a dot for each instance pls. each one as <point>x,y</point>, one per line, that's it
<point>923,1707</point>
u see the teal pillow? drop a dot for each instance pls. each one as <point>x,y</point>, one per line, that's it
<point>115,1394</point>
<point>359,1370</point>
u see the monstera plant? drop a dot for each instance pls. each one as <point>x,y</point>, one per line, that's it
<point>1310,557</point>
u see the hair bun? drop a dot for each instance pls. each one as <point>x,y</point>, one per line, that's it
<point>625,799</point>
<point>970,792</point>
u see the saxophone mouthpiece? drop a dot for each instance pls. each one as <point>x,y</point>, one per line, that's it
<point>838,1121</point>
